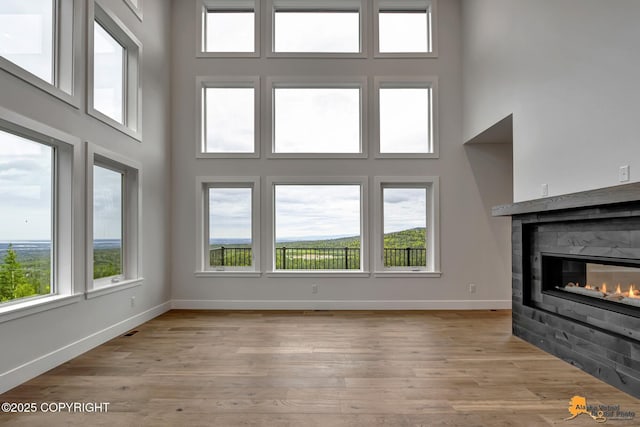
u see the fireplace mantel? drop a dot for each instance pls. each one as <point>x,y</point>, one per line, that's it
<point>602,224</point>
<point>601,197</point>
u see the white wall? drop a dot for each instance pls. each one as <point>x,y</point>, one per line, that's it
<point>40,342</point>
<point>568,71</point>
<point>474,246</point>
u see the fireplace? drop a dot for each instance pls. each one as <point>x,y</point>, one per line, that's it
<point>576,280</point>
<point>608,283</point>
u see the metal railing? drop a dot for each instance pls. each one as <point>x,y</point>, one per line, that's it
<point>317,258</point>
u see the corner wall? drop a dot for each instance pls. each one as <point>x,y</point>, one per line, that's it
<point>42,341</point>
<point>567,70</point>
<point>474,246</point>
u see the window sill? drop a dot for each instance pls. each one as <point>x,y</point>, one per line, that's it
<point>227,273</point>
<point>407,156</point>
<point>408,55</point>
<point>114,124</point>
<point>38,83</point>
<point>317,156</point>
<point>201,54</point>
<point>346,55</point>
<point>407,273</point>
<point>37,305</point>
<point>316,273</point>
<point>203,155</point>
<point>116,287</point>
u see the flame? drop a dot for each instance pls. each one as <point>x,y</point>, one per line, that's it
<point>587,286</point>
<point>618,290</point>
<point>632,293</point>
<point>604,288</point>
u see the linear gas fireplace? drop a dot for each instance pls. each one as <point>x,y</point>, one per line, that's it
<point>576,280</point>
<point>608,283</point>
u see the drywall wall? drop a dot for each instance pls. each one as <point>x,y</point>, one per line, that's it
<point>38,342</point>
<point>474,246</point>
<point>567,71</point>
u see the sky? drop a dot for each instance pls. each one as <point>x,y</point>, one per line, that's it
<point>25,189</point>
<point>108,82</point>
<point>107,203</point>
<point>404,208</point>
<point>230,120</point>
<point>26,36</point>
<point>230,213</point>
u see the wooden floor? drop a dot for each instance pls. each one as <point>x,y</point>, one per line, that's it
<point>202,368</point>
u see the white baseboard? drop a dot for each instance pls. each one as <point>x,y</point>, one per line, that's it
<point>341,305</point>
<point>33,368</point>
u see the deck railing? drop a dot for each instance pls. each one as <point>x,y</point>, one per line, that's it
<point>317,258</point>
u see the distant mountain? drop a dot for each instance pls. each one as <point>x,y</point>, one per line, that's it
<point>412,238</point>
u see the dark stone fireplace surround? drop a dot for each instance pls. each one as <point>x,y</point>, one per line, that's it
<point>600,223</point>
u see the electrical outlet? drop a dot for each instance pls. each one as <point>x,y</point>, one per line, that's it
<point>133,301</point>
<point>472,288</point>
<point>314,288</point>
<point>544,190</point>
<point>623,173</point>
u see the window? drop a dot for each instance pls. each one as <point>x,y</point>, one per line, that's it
<point>35,214</point>
<point>229,118</point>
<point>318,118</point>
<point>136,7</point>
<point>317,27</point>
<point>407,225</point>
<point>229,27</point>
<point>406,117</point>
<point>112,221</point>
<point>114,84</point>
<point>405,28</point>
<point>107,223</point>
<point>318,224</point>
<point>37,44</point>
<point>229,225</point>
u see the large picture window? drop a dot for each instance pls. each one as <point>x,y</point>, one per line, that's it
<point>113,221</point>
<point>312,119</point>
<point>114,94</point>
<point>37,44</point>
<point>229,122</point>
<point>317,27</point>
<point>229,225</point>
<point>318,225</point>
<point>406,117</point>
<point>36,215</point>
<point>407,225</point>
<point>229,27</point>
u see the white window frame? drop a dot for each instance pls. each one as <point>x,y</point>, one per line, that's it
<point>67,54</point>
<point>361,181</point>
<point>318,5</point>
<point>132,96</point>
<point>407,5</point>
<point>203,6</point>
<point>400,82</point>
<point>131,221</point>
<point>305,82</point>
<point>204,82</point>
<point>66,222</point>
<point>136,7</point>
<point>432,185</point>
<point>203,184</point>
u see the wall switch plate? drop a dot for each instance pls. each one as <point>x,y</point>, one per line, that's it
<point>623,173</point>
<point>314,288</point>
<point>544,190</point>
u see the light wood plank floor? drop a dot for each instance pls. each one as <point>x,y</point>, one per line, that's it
<point>234,368</point>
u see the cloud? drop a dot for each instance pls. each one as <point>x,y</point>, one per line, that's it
<point>404,208</point>
<point>107,203</point>
<point>230,120</point>
<point>230,213</point>
<point>317,32</point>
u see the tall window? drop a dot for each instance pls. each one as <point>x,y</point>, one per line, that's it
<point>405,28</point>
<point>229,27</point>
<point>37,44</point>
<point>112,221</point>
<point>229,118</point>
<point>317,27</point>
<point>318,118</point>
<point>229,225</point>
<point>26,217</point>
<point>107,223</point>
<point>406,117</point>
<point>108,77</point>
<point>318,226</point>
<point>113,72</point>
<point>407,224</point>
